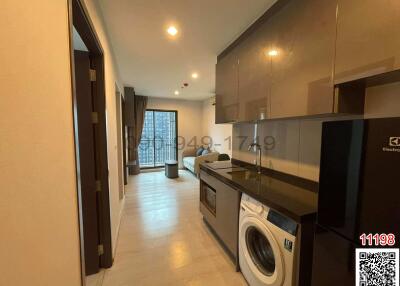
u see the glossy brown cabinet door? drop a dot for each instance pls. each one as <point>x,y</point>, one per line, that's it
<point>226,89</point>
<point>225,220</point>
<point>254,77</point>
<point>368,38</point>
<point>302,49</point>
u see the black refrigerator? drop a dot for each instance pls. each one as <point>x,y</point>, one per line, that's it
<point>359,193</point>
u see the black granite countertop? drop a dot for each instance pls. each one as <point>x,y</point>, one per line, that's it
<point>284,194</point>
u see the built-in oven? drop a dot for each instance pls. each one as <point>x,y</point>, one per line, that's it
<point>208,197</point>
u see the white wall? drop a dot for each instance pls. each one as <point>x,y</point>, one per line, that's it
<point>39,241</point>
<point>221,134</point>
<point>111,79</point>
<point>298,142</point>
<point>39,244</point>
<point>189,119</point>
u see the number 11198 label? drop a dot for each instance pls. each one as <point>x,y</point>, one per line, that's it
<point>377,239</point>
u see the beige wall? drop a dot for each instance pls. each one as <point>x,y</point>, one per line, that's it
<point>221,134</point>
<point>39,244</point>
<point>298,142</point>
<point>111,79</point>
<point>196,119</point>
<point>39,241</point>
<point>383,101</point>
<point>189,119</point>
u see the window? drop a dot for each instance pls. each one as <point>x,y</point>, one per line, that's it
<point>159,138</point>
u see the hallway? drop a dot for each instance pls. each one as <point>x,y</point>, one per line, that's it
<point>163,240</point>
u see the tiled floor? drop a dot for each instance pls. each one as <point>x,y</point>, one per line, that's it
<point>163,240</point>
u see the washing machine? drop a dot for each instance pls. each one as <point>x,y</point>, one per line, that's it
<point>268,245</point>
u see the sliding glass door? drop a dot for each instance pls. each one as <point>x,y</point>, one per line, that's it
<point>159,138</point>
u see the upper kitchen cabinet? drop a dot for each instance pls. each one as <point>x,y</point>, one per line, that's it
<point>254,77</point>
<point>368,41</point>
<point>301,51</point>
<point>226,89</point>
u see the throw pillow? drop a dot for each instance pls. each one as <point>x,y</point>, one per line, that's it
<point>199,151</point>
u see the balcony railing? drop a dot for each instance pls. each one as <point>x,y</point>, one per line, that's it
<point>154,152</point>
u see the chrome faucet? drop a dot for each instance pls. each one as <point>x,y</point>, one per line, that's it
<point>257,147</point>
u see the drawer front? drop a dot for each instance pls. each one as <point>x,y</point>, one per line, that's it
<point>210,180</point>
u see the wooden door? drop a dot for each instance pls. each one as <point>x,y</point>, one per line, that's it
<point>226,89</point>
<point>87,161</point>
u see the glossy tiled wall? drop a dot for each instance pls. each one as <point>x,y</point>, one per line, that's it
<point>293,146</point>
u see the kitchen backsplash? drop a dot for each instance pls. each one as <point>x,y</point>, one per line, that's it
<point>293,146</point>
<point>290,146</point>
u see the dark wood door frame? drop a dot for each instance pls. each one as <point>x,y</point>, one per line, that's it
<point>124,138</point>
<point>78,18</point>
<point>87,161</point>
<point>119,99</point>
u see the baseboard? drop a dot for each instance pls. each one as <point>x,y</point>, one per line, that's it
<point>118,227</point>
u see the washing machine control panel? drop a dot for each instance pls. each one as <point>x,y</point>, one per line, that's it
<point>252,204</point>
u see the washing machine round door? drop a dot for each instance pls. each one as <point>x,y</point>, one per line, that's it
<point>261,252</point>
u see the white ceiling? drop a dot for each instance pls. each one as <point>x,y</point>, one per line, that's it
<point>156,65</point>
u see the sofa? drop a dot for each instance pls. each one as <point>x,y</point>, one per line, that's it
<point>191,160</point>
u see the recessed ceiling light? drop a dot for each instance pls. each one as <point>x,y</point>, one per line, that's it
<point>176,92</point>
<point>273,53</point>
<point>172,30</point>
<point>195,75</point>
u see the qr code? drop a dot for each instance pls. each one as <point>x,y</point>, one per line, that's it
<point>377,267</point>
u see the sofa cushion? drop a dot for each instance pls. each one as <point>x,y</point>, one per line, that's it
<point>189,161</point>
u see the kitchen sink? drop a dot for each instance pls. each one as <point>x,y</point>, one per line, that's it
<point>245,175</point>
